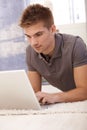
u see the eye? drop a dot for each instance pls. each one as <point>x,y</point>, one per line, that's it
<point>39,34</point>
<point>27,36</point>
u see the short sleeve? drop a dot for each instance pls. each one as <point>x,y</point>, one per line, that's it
<point>79,53</point>
<point>29,59</point>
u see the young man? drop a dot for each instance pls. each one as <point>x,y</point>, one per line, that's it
<point>60,58</point>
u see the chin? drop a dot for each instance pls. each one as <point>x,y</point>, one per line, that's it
<point>38,51</point>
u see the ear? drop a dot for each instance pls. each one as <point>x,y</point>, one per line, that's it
<point>53,28</point>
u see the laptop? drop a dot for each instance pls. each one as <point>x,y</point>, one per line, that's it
<point>16,91</point>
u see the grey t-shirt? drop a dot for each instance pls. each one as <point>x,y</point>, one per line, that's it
<point>70,51</point>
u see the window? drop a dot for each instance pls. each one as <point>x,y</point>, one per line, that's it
<point>65,11</point>
<point>79,15</point>
<point>68,11</point>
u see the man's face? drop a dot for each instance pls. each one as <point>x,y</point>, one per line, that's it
<point>40,38</point>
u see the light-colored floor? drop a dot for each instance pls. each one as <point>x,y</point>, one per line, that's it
<point>61,121</point>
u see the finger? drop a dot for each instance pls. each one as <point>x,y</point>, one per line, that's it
<point>44,101</point>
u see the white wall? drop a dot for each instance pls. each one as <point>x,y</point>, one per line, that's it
<point>75,29</point>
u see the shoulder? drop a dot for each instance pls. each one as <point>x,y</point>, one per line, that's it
<point>68,38</point>
<point>30,52</point>
<point>28,49</point>
<point>72,40</point>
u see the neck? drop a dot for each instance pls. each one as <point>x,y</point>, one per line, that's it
<point>51,49</point>
<point>51,52</point>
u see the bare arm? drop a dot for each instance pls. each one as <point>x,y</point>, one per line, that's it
<point>35,79</point>
<point>77,94</point>
<point>80,77</point>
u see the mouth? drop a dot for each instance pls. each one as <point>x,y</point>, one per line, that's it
<point>37,47</point>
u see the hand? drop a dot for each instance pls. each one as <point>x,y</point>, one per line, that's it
<point>47,98</point>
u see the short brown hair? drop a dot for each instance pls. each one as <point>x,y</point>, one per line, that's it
<point>36,13</point>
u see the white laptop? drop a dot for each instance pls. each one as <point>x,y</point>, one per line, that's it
<point>16,91</point>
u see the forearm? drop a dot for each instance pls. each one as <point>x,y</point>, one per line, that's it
<point>77,94</point>
<point>35,80</point>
